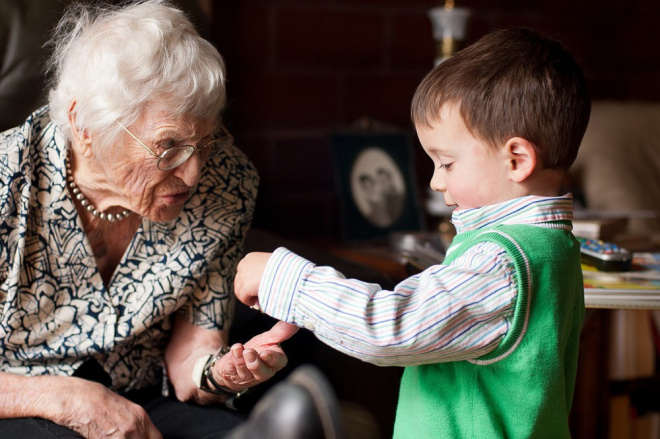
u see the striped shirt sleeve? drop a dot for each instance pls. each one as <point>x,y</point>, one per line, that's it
<point>446,313</point>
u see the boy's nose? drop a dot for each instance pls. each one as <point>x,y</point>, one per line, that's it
<point>438,183</point>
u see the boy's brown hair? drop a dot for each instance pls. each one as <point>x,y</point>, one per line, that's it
<point>512,83</point>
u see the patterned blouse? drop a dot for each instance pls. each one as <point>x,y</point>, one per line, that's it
<point>55,312</point>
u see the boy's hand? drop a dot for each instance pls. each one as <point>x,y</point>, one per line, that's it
<point>248,277</point>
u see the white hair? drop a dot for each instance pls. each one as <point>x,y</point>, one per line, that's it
<point>112,62</point>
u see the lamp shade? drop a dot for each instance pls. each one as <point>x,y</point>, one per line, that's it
<point>449,23</point>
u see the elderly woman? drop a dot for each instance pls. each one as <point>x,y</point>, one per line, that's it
<point>123,211</point>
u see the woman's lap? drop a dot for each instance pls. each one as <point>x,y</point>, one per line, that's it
<point>178,419</point>
<point>29,428</point>
<point>174,419</point>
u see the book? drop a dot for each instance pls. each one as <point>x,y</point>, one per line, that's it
<point>599,228</point>
<point>638,288</point>
<point>632,349</point>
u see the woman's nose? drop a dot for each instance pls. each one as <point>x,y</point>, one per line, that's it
<point>190,170</point>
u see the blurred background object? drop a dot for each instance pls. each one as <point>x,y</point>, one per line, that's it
<point>449,28</point>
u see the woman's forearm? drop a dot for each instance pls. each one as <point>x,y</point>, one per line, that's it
<point>187,345</point>
<point>84,406</point>
<point>29,396</point>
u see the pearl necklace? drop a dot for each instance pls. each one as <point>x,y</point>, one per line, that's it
<point>110,217</point>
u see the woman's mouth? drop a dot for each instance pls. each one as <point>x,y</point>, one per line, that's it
<point>177,197</point>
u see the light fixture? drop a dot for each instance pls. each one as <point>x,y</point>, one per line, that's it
<point>449,25</point>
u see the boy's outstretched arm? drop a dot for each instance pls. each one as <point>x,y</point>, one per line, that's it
<point>380,326</point>
<point>248,277</point>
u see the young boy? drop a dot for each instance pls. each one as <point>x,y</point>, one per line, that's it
<point>490,337</point>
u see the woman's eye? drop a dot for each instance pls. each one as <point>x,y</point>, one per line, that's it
<point>167,144</point>
<point>445,166</point>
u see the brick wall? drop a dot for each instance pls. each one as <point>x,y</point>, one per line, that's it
<point>300,69</point>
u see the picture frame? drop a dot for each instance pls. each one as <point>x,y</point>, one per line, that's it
<point>376,184</point>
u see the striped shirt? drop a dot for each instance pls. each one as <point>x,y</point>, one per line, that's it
<point>452,312</point>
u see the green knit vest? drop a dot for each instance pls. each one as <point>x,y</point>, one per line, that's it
<point>524,388</point>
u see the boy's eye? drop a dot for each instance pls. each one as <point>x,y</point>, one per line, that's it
<point>445,166</point>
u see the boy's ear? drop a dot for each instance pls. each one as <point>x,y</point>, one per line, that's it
<point>522,159</point>
<point>81,138</point>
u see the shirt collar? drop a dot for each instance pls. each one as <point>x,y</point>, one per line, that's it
<point>532,210</point>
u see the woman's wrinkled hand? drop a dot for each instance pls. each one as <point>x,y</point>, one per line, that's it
<point>256,361</point>
<point>94,411</point>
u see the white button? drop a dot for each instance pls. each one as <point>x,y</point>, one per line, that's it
<point>309,325</point>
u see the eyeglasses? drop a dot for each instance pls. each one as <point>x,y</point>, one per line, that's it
<point>177,155</point>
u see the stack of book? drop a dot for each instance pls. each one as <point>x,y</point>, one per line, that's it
<point>598,228</point>
<point>638,288</point>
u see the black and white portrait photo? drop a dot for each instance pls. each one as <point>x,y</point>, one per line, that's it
<point>378,187</point>
<point>376,184</point>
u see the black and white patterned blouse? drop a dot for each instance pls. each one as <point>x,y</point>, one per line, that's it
<point>56,313</point>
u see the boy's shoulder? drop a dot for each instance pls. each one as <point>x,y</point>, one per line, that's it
<point>519,241</point>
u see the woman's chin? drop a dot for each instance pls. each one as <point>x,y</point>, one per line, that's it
<point>165,213</point>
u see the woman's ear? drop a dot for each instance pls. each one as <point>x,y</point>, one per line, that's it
<point>522,158</point>
<point>81,139</point>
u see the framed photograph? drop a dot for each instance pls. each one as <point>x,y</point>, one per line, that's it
<point>376,183</point>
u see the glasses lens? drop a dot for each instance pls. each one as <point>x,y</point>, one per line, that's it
<point>172,158</point>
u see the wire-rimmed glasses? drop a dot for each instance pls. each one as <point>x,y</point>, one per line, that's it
<point>177,155</point>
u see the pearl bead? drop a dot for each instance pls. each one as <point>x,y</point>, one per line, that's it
<point>78,195</point>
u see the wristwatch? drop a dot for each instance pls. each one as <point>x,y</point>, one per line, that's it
<point>203,376</point>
